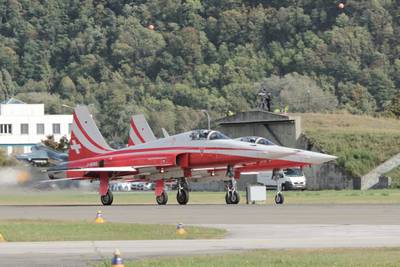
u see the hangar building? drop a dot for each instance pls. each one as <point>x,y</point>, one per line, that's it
<point>23,125</point>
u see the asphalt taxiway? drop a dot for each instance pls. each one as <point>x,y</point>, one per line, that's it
<point>249,226</point>
<point>214,214</point>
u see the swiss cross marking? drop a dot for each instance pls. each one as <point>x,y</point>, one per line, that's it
<point>76,147</point>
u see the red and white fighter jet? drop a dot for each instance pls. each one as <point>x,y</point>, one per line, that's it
<point>175,156</point>
<point>140,130</point>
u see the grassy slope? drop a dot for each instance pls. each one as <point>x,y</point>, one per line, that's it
<point>388,257</point>
<point>46,230</point>
<point>361,142</point>
<point>395,175</point>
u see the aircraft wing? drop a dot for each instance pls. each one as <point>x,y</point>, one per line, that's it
<point>105,169</point>
<point>64,179</point>
<point>151,165</point>
<point>37,154</point>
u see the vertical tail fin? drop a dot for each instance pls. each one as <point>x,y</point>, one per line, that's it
<point>165,133</point>
<point>86,139</point>
<point>140,131</point>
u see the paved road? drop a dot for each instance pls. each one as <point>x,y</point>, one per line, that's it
<point>250,227</point>
<point>243,237</point>
<point>216,214</point>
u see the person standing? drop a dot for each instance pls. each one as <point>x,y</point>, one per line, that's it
<point>268,99</point>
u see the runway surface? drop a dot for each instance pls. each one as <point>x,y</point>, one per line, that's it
<point>250,227</point>
<point>215,214</point>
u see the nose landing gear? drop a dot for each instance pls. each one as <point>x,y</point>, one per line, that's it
<point>232,196</point>
<point>279,198</point>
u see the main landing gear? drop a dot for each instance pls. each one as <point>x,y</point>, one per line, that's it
<point>162,199</point>
<point>161,194</point>
<point>107,199</point>
<point>182,196</point>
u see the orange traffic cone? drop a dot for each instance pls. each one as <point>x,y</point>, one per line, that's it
<point>180,230</point>
<point>117,261</point>
<point>99,217</point>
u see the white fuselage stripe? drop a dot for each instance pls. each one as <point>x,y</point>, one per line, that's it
<point>89,126</point>
<point>86,143</point>
<point>134,137</point>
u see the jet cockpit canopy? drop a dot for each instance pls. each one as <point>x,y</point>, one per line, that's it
<point>207,135</point>
<point>256,140</point>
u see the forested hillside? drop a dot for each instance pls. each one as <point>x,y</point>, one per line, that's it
<point>172,58</point>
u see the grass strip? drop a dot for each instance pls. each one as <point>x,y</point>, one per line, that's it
<point>382,257</point>
<point>49,230</point>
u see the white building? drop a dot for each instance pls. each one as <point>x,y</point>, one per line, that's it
<point>23,125</point>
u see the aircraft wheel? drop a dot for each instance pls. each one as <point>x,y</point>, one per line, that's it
<point>232,197</point>
<point>279,199</point>
<point>107,199</point>
<point>235,197</point>
<point>182,196</point>
<point>227,198</point>
<point>162,199</point>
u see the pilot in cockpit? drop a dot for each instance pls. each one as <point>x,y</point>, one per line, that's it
<point>207,135</point>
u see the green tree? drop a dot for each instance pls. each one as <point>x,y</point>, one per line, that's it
<point>67,87</point>
<point>7,85</point>
<point>394,107</point>
<point>300,93</point>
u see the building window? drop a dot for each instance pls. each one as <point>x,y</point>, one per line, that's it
<point>40,128</point>
<point>24,128</point>
<point>5,129</point>
<point>56,128</point>
<point>69,128</point>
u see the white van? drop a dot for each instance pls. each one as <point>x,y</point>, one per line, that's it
<point>291,179</point>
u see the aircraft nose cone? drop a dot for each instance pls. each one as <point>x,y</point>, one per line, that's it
<point>314,157</point>
<point>276,152</point>
<point>326,157</point>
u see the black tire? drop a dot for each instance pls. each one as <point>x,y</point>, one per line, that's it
<point>227,198</point>
<point>182,197</point>
<point>162,199</point>
<point>235,197</point>
<point>107,199</point>
<point>279,198</point>
<point>232,198</point>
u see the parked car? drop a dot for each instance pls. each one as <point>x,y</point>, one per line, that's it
<point>291,179</point>
<point>120,187</point>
